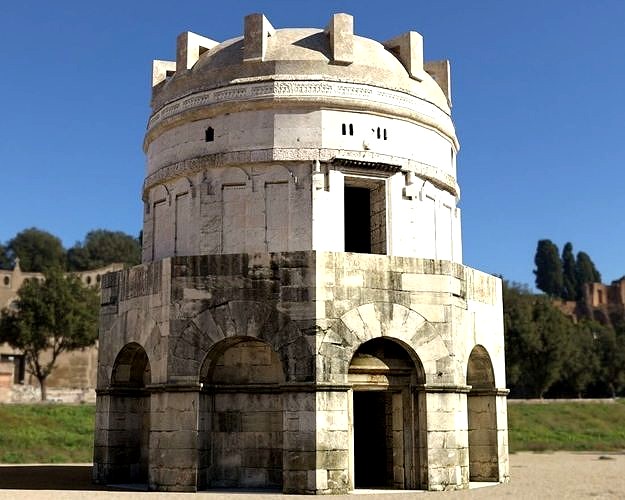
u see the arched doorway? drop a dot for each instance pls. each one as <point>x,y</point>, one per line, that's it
<point>129,416</point>
<point>482,416</point>
<point>385,416</point>
<point>241,420</point>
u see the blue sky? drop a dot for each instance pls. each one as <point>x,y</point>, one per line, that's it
<point>538,91</point>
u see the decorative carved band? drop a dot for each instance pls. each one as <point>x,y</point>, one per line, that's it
<point>342,94</point>
<point>369,165</point>
<point>193,166</point>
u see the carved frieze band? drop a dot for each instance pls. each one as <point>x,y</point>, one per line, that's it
<point>325,90</point>
<point>190,167</point>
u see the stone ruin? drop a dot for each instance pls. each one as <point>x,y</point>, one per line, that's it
<point>302,319</point>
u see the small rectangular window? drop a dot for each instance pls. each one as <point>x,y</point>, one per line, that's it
<point>209,134</point>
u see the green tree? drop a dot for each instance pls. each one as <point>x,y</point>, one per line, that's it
<point>548,268</point>
<point>102,247</point>
<point>37,250</point>
<point>53,316</point>
<point>582,364</point>
<point>585,272</point>
<point>5,261</point>
<point>611,343</point>
<point>537,339</point>
<point>569,278</point>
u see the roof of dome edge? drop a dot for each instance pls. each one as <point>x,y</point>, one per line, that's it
<point>300,54</point>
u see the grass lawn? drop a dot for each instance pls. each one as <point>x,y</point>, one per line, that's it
<point>567,426</point>
<point>57,433</point>
<point>46,433</point>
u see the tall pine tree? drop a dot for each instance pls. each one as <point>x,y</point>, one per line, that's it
<point>548,270</point>
<point>569,277</point>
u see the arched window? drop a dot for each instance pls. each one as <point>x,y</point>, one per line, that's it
<point>209,134</point>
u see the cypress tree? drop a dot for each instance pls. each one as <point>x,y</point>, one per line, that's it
<point>569,278</point>
<point>548,268</point>
<point>585,272</point>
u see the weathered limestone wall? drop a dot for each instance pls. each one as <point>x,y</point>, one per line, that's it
<point>250,386</point>
<point>270,208</point>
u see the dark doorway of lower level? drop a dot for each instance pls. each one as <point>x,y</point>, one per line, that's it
<point>371,450</point>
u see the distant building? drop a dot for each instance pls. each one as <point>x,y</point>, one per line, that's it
<point>604,303</point>
<point>302,319</point>
<point>74,370</point>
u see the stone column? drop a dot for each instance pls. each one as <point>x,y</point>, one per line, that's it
<point>174,439</point>
<point>101,460</point>
<point>447,438</point>
<point>333,440</point>
<point>299,440</point>
<point>316,440</point>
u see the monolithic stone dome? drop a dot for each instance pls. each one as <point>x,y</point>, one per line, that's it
<point>303,54</point>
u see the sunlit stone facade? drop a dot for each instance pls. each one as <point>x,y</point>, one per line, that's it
<point>302,319</point>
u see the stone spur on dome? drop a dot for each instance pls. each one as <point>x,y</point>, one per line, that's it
<point>302,319</point>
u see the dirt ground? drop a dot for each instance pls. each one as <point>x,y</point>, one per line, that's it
<point>534,476</point>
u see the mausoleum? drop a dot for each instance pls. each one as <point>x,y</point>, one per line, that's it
<point>302,319</point>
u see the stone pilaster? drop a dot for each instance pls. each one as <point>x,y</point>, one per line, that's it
<point>174,440</point>
<point>447,440</point>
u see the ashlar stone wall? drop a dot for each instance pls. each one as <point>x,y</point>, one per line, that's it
<point>255,370</point>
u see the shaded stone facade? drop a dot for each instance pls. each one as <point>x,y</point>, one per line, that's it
<point>302,320</point>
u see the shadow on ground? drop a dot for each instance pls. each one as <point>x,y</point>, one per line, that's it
<point>47,477</point>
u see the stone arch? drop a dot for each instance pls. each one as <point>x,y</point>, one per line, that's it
<point>416,334</point>
<point>218,368</point>
<point>388,416</point>
<point>240,319</point>
<point>131,368</point>
<point>482,417</point>
<point>129,416</point>
<point>241,416</point>
<point>480,372</point>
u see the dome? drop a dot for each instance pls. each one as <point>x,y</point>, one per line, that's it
<point>294,54</point>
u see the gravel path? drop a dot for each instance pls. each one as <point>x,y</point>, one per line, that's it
<point>534,476</point>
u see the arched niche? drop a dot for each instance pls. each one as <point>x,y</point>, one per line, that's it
<point>482,417</point>
<point>129,417</point>
<point>131,368</point>
<point>387,417</point>
<point>241,420</point>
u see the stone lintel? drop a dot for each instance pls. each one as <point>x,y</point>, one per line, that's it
<point>441,72</point>
<point>408,48</point>
<point>161,70</point>
<point>257,30</point>
<point>189,47</point>
<point>341,32</point>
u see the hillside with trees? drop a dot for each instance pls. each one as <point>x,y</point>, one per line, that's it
<point>40,250</point>
<point>553,354</point>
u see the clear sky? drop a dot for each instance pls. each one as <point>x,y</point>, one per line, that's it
<point>538,101</point>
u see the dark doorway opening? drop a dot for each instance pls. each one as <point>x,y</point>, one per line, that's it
<point>371,450</point>
<point>357,220</point>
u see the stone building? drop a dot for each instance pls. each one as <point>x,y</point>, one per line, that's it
<point>603,303</point>
<point>74,376</point>
<point>302,319</point>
